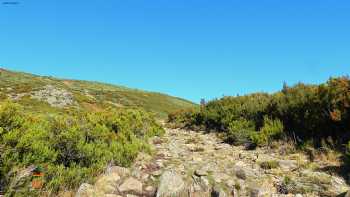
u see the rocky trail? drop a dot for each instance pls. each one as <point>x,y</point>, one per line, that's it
<point>194,164</point>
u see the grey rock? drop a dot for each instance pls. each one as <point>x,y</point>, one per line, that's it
<point>204,182</point>
<point>288,164</point>
<point>121,171</point>
<point>201,172</point>
<point>107,184</point>
<point>150,191</point>
<point>131,185</point>
<point>171,185</point>
<point>85,190</point>
<point>199,187</point>
<point>240,173</point>
<point>54,96</point>
<point>256,192</point>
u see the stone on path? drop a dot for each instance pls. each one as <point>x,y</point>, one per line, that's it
<point>121,171</point>
<point>85,190</point>
<point>288,164</point>
<point>201,172</point>
<point>131,185</point>
<point>171,185</point>
<point>107,184</point>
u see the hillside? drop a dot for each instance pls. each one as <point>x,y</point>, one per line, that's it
<point>49,94</point>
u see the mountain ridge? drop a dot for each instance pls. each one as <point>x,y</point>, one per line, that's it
<point>91,95</point>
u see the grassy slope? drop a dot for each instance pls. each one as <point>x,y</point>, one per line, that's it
<point>89,95</point>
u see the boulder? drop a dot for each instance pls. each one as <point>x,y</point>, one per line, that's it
<point>244,172</point>
<point>171,185</point>
<point>131,185</point>
<point>288,164</point>
<point>121,171</point>
<point>85,190</point>
<point>255,192</point>
<point>107,184</point>
<point>200,187</point>
<point>240,173</point>
<point>201,172</point>
<point>149,191</point>
<point>220,177</point>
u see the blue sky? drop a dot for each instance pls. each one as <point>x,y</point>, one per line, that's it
<point>188,48</point>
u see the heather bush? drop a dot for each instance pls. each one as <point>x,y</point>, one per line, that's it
<point>187,118</point>
<point>272,130</point>
<point>302,113</point>
<point>72,147</point>
<point>239,132</point>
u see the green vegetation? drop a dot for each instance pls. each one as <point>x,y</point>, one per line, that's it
<point>91,96</point>
<point>315,114</point>
<point>269,164</point>
<point>68,148</point>
<point>271,130</point>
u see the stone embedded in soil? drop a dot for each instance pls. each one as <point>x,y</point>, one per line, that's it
<point>121,171</point>
<point>201,172</point>
<point>288,164</point>
<point>107,184</point>
<point>171,184</point>
<point>86,190</point>
<point>131,185</point>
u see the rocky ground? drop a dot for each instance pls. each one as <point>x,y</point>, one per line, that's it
<point>194,164</point>
<point>56,97</point>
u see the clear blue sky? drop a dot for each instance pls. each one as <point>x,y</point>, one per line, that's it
<point>187,48</point>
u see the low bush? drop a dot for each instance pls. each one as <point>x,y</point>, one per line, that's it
<point>239,132</point>
<point>269,164</point>
<point>302,113</point>
<point>186,118</point>
<point>72,147</point>
<point>272,130</point>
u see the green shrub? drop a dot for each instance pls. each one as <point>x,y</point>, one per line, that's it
<point>272,130</point>
<point>307,113</point>
<point>187,118</point>
<point>71,147</point>
<point>239,132</point>
<point>10,117</point>
<point>269,164</point>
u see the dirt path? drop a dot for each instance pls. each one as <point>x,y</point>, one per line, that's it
<point>188,163</point>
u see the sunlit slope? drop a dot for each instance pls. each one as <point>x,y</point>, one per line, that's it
<point>49,94</point>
